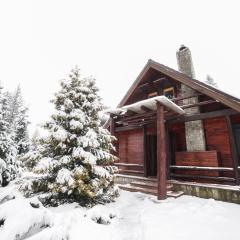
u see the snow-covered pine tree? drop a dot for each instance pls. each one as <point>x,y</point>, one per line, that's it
<point>76,163</point>
<point>210,81</point>
<point>8,149</point>
<point>19,121</point>
<point>32,157</point>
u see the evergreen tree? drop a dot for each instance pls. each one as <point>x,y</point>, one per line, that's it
<point>8,149</point>
<point>76,160</point>
<point>34,140</point>
<point>19,122</point>
<point>32,157</point>
<point>210,81</point>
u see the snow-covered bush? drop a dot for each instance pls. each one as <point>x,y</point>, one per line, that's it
<point>75,159</point>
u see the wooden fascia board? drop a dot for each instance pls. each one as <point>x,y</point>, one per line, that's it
<point>135,83</point>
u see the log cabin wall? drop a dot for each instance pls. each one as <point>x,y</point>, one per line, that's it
<point>130,146</point>
<point>177,137</point>
<point>131,149</point>
<point>235,119</point>
<point>217,138</point>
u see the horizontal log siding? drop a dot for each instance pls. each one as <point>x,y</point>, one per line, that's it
<point>131,146</point>
<point>200,159</point>
<point>217,138</point>
<point>178,137</point>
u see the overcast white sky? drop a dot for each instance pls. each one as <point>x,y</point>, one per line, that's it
<point>41,40</point>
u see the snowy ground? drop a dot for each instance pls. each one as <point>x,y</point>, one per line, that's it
<point>132,216</point>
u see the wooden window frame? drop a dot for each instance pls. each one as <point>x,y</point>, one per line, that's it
<point>168,90</point>
<point>153,94</point>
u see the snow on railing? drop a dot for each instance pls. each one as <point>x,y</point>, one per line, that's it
<point>201,168</point>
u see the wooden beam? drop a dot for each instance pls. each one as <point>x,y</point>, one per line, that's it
<point>140,120</point>
<point>130,113</point>
<point>233,149</point>
<point>186,97</point>
<point>201,116</point>
<point>197,104</point>
<point>146,109</point>
<point>140,115</point>
<point>149,84</point>
<point>145,150</point>
<point>127,128</point>
<point>161,153</point>
<point>158,81</point>
<point>145,85</point>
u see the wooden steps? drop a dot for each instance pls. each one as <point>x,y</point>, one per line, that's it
<point>138,189</point>
<point>149,187</point>
<point>175,194</point>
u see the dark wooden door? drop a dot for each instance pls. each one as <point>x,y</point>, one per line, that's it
<point>151,155</point>
<point>236,132</point>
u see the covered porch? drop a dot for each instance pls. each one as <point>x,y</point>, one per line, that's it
<point>149,111</point>
<point>153,118</point>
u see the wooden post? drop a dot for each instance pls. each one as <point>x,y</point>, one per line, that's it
<point>161,153</point>
<point>233,149</point>
<point>168,151</point>
<point>112,125</point>
<point>112,131</point>
<point>145,150</point>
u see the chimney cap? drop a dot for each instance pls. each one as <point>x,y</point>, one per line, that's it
<point>182,47</point>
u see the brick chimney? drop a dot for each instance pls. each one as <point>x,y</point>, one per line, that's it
<point>195,138</point>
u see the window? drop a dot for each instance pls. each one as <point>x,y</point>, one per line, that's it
<point>153,94</point>
<point>169,92</point>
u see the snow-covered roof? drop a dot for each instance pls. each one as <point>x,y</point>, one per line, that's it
<point>151,104</point>
<point>116,111</point>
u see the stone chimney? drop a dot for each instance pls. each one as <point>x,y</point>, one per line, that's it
<point>195,138</point>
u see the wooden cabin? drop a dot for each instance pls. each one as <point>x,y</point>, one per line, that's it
<point>155,131</point>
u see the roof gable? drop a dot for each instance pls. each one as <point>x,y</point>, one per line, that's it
<point>199,86</point>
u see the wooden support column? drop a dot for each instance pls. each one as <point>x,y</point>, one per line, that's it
<point>233,149</point>
<point>113,132</point>
<point>112,125</point>
<point>168,150</point>
<point>145,150</point>
<point>161,153</point>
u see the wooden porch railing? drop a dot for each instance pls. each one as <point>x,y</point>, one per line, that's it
<point>130,168</point>
<point>201,168</point>
<point>137,169</point>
